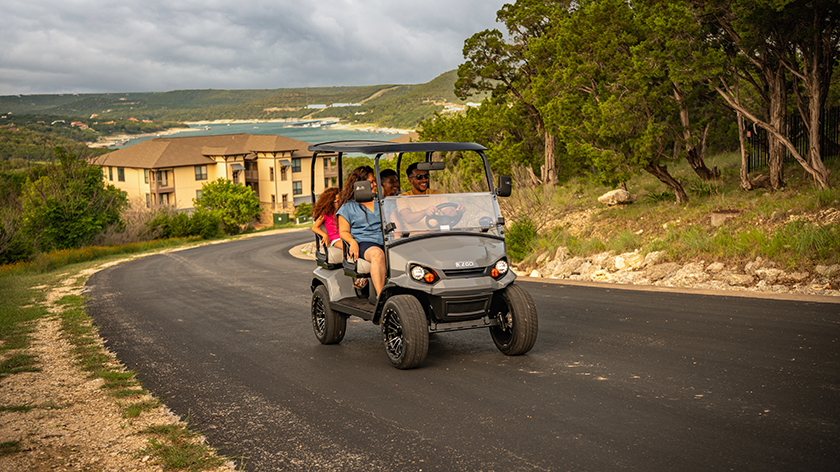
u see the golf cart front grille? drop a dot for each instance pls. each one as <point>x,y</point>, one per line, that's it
<point>466,307</point>
<point>471,272</point>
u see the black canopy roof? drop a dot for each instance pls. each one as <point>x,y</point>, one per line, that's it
<point>387,147</point>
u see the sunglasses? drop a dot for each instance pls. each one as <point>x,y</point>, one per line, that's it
<point>421,176</point>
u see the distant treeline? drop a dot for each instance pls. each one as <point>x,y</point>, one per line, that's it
<point>388,105</point>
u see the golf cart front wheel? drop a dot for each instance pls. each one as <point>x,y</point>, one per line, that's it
<point>329,325</point>
<point>517,315</point>
<point>405,331</point>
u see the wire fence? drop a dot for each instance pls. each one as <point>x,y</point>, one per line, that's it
<point>758,148</point>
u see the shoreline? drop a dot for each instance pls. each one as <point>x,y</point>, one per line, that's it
<point>108,141</point>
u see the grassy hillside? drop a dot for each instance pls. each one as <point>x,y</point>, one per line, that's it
<point>385,105</point>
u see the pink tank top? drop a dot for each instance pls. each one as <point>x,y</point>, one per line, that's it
<point>332,227</point>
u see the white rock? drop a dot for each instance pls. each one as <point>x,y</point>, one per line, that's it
<point>614,197</point>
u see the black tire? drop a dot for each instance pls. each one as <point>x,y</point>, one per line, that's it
<point>329,325</point>
<point>405,331</point>
<point>520,314</point>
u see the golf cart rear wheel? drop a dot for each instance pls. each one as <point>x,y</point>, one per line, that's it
<point>329,325</point>
<point>517,314</point>
<point>405,331</point>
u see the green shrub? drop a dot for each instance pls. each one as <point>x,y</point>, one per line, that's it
<point>518,238</point>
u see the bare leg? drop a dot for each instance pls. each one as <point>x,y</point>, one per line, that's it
<point>376,257</point>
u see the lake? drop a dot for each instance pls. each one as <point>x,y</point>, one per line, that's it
<point>309,135</point>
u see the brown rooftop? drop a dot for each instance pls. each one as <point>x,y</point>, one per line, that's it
<point>196,150</point>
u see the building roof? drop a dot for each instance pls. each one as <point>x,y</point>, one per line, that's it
<point>196,150</point>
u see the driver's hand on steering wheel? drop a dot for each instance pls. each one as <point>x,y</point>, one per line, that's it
<point>432,210</point>
<point>452,211</point>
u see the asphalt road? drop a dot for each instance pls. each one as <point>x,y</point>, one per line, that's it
<point>618,379</point>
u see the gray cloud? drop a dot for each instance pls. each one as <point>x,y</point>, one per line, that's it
<point>52,46</point>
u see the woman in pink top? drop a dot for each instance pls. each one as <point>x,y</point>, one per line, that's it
<point>324,214</point>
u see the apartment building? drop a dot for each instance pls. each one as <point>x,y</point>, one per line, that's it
<point>172,170</point>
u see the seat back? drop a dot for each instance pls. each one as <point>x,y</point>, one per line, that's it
<point>328,257</point>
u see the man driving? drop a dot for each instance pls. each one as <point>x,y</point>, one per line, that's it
<point>421,208</point>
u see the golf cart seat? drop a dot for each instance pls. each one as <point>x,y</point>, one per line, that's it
<point>328,257</point>
<point>358,268</point>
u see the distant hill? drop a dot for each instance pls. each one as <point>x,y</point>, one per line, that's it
<point>388,105</point>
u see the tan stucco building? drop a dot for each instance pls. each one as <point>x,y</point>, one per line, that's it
<point>171,171</point>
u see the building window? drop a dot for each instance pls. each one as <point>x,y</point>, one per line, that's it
<point>148,201</point>
<point>285,199</point>
<point>164,199</point>
<point>110,173</point>
<point>296,164</point>
<point>121,174</point>
<point>146,175</point>
<point>283,173</point>
<point>273,201</point>
<point>297,187</point>
<point>271,174</point>
<point>327,182</point>
<point>200,172</point>
<point>198,194</point>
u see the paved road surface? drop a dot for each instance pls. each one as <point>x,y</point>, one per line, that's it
<point>618,379</point>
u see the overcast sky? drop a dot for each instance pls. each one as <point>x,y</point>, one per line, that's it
<point>61,46</point>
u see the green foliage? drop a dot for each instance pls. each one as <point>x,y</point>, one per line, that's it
<point>236,205</point>
<point>518,238</point>
<point>202,222</point>
<point>69,204</point>
<point>304,210</point>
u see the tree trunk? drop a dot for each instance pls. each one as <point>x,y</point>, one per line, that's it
<point>778,121</point>
<point>742,139</point>
<point>693,154</point>
<point>661,173</point>
<point>549,168</point>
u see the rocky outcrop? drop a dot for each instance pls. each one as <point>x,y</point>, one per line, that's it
<point>649,269</point>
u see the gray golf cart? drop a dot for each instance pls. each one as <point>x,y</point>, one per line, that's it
<point>444,272</point>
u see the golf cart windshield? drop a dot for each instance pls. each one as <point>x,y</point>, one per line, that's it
<point>415,215</point>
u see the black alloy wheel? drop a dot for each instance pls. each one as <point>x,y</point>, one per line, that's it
<point>329,325</point>
<point>517,315</point>
<point>405,331</point>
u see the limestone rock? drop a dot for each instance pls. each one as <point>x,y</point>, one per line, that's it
<point>653,257</point>
<point>629,260</point>
<point>535,273</point>
<point>828,271</point>
<point>616,197</point>
<point>561,254</point>
<point>740,280</point>
<point>604,260</point>
<point>715,268</point>
<point>660,271</point>
<point>567,267</point>
<point>771,276</point>
<point>689,275</point>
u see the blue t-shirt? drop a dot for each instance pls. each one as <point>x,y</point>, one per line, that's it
<point>364,225</point>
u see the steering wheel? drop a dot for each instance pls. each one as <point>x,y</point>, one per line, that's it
<point>435,221</point>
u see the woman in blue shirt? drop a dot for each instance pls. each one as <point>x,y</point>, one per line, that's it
<point>359,224</point>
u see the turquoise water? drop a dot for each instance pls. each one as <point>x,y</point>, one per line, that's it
<point>309,135</point>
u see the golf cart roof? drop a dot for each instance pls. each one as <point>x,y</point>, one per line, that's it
<point>387,147</point>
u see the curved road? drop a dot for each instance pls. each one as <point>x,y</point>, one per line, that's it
<point>618,379</point>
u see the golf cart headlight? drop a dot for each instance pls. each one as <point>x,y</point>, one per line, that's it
<point>499,269</point>
<point>422,274</point>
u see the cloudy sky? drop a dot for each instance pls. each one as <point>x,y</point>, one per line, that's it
<point>61,46</point>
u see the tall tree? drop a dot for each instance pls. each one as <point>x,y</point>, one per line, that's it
<point>758,35</point>
<point>608,98</point>
<point>811,60</point>
<point>507,68</point>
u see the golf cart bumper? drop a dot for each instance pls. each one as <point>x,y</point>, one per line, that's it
<point>462,299</point>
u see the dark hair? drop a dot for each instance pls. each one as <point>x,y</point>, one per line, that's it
<point>357,174</point>
<point>325,204</point>
<point>387,173</point>
<point>410,168</point>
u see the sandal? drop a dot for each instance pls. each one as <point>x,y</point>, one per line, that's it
<point>360,283</point>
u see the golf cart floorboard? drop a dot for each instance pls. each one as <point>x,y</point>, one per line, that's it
<point>354,306</point>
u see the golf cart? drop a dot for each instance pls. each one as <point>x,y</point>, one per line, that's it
<point>444,272</point>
